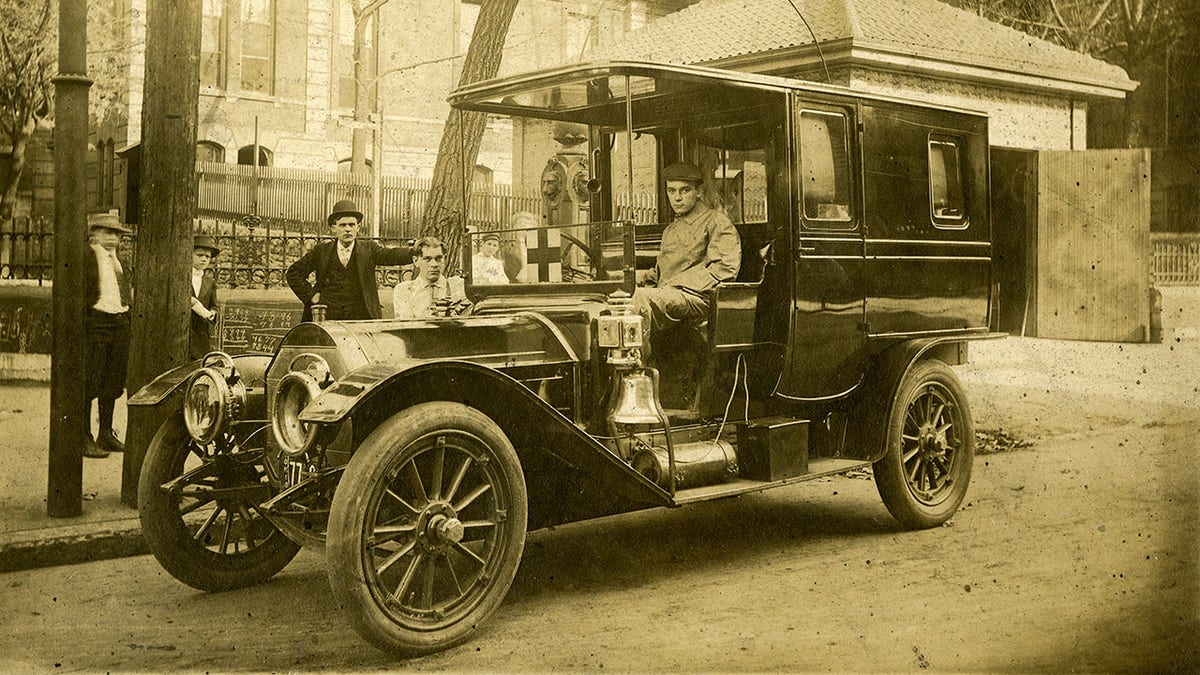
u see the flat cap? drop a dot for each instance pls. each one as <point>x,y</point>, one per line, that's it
<point>683,171</point>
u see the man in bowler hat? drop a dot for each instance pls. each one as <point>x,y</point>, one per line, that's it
<point>106,327</point>
<point>344,268</point>
<point>204,296</point>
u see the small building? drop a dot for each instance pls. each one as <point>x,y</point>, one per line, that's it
<point>1037,93</point>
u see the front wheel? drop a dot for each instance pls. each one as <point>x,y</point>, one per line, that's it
<point>924,474</point>
<point>199,509</point>
<point>427,528</point>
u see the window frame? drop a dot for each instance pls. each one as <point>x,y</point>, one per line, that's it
<point>850,222</point>
<point>958,143</point>
<point>271,56</point>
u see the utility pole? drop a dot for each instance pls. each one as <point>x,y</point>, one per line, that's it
<point>68,406</point>
<point>164,247</point>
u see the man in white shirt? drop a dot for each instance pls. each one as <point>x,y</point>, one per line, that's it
<point>106,325</point>
<point>418,297</point>
<point>204,296</point>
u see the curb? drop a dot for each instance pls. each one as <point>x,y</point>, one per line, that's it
<point>71,545</point>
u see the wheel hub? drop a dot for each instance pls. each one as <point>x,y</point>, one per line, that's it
<point>930,442</point>
<point>439,527</point>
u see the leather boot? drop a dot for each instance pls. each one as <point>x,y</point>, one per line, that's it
<point>107,440</point>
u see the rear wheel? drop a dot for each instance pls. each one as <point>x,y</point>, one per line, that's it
<point>199,509</point>
<point>427,528</point>
<point>924,473</point>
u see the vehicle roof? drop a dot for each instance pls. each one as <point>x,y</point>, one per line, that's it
<point>481,95</point>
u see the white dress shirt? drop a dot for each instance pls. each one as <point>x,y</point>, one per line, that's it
<point>415,298</point>
<point>344,253</point>
<point>110,289</point>
<point>197,306</point>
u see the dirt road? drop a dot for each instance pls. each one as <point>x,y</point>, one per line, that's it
<point>1078,553</point>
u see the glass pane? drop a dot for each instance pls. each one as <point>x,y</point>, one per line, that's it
<point>256,75</point>
<point>825,163</point>
<point>945,180</point>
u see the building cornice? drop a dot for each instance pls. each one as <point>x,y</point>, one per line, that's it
<point>846,53</point>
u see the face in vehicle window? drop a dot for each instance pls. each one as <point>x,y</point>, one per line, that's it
<point>825,168</point>
<point>946,200</point>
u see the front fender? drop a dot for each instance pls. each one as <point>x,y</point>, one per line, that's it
<point>252,368</point>
<point>373,393</point>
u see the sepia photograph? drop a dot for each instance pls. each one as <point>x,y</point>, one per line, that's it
<point>635,336</point>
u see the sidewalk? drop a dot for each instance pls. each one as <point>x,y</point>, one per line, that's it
<point>28,536</point>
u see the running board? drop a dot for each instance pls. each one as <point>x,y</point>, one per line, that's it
<point>817,468</point>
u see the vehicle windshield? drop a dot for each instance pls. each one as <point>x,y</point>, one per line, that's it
<point>566,186</point>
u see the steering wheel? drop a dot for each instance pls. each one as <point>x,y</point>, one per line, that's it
<point>571,272</point>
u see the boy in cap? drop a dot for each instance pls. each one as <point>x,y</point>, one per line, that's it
<point>699,248</point>
<point>106,327</point>
<point>345,269</point>
<point>486,266</point>
<point>204,296</point>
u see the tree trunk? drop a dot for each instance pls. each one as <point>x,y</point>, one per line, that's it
<point>164,244</point>
<point>16,167</point>
<point>444,216</point>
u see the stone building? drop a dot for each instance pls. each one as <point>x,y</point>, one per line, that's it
<point>278,75</point>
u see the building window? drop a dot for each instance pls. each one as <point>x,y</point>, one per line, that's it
<point>212,44</point>
<point>947,204</point>
<point>208,151</point>
<point>825,168</point>
<point>258,46</point>
<point>246,155</point>
<point>343,58</point>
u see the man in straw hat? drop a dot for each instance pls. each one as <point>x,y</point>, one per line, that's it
<point>204,296</point>
<point>344,268</point>
<point>699,248</point>
<point>106,327</point>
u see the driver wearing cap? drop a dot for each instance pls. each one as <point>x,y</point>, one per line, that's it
<point>700,248</point>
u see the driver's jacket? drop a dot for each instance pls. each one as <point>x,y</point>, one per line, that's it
<point>698,250</point>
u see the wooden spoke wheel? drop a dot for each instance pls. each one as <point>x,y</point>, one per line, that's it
<point>427,528</point>
<point>199,509</point>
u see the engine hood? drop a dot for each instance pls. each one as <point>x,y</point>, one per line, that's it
<point>524,338</point>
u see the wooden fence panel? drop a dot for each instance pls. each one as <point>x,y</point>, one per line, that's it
<point>1093,245</point>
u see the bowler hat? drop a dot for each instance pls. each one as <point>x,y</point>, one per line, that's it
<point>107,220</point>
<point>683,171</point>
<point>344,208</point>
<point>205,241</point>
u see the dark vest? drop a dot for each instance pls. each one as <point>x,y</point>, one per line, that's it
<point>341,291</point>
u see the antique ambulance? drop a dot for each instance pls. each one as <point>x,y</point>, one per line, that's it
<point>417,454</point>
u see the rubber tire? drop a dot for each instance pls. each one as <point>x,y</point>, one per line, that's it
<point>890,477</point>
<point>345,552</point>
<point>172,543</point>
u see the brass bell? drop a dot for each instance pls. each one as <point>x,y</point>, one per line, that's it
<point>636,400</point>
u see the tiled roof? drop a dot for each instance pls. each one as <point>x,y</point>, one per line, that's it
<point>712,31</point>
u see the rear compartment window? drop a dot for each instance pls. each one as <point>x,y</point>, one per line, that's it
<point>825,168</point>
<point>947,203</point>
